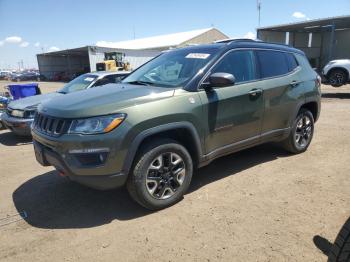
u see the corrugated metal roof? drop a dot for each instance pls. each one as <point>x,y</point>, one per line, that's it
<point>161,41</point>
<point>337,20</point>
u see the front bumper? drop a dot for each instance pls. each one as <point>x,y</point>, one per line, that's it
<point>20,126</point>
<point>64,153</point>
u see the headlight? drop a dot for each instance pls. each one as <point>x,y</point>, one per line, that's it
<point>96,125</point>
<point>17,113</point>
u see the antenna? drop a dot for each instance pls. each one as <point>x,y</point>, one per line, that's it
<point>258,5</point>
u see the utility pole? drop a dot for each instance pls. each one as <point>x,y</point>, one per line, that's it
<point>258,5</point>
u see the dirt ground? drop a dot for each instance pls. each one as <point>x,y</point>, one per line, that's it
<point>260,204</point>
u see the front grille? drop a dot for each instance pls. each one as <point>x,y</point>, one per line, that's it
<point>51,125</point>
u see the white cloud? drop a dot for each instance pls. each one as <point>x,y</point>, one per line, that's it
<point>299,15</point>
<point>24,44</point>
<point>250,35</point>
<point>13,39</point>
<point>1,43</point>
<point>54,48</point>
<point>37,44</point>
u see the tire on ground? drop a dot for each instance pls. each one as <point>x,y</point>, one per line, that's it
<point>340,251</point>
<point>289,143</point>
<point>136,183</point>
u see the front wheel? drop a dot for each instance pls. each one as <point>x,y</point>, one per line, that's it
<point>337,78</point>
<point>161,175</point>
<point>301,134</point>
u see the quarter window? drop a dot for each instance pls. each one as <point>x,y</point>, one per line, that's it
<point>292,62</point>
<point>272,63</point>
<point>241,64</point>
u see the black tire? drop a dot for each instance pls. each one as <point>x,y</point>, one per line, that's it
<point>290,143</point>
<point>136,184</point>
<point>337,77</point>
<point>340,251</point>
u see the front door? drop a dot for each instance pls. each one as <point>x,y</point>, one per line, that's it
<point>233,113</point>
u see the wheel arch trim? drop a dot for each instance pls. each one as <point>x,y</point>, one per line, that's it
<point>131,153</point>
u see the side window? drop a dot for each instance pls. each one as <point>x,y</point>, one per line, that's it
<point>239,63</point>
<point>115,78</point>
<point>272,63</point>
<point>292,62</point>
<point>101,82</point>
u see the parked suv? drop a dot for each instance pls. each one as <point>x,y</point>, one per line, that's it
<point>20,113</point>
<point>337,72</point>
<point>178,112</point>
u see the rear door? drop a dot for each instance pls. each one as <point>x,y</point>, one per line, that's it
<point>279,73</point>
<point>233,113</point>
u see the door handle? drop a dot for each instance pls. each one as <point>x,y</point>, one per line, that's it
<point>294,84</point>
<point>255,92</point>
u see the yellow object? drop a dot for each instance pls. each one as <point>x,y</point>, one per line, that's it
<point>116,122</point>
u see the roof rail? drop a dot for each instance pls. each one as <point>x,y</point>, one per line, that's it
<point>229,40</point>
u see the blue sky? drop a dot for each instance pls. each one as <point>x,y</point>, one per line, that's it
<point>28,27</point>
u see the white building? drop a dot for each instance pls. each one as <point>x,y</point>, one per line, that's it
<point>137,51</point>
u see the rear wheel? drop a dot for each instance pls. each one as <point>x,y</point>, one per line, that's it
<point>337,78</point>
<point>161,175</point>
<point>301,134</point>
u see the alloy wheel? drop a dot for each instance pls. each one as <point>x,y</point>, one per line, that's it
<point>165,175</point>
<point>337,79</point>
<point>303,131</point>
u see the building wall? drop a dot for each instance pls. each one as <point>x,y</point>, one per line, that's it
<point>342,44</point>
<point>51,65</point>
<point>273,37</point>
<point>319,52</point>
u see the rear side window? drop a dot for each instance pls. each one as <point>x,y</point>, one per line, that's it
<point>241,64</point>
<point>292,62</point>
<point>272,63</point>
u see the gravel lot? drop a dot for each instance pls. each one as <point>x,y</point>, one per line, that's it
<point>260,204</point>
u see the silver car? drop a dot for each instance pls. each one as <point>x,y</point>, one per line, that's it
<point>20,113</point>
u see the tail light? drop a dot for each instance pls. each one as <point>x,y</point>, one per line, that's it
<point>318,83</point>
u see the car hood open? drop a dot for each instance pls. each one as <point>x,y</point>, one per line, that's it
<point>32,101</point>
<point>108,99</point>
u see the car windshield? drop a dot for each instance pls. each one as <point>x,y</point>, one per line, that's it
<point>171,69</point>
<point>79,83</point>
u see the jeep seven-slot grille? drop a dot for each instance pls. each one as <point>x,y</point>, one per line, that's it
<point>51,125</point>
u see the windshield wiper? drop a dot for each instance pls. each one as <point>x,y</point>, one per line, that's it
<point>62,92</point>
<point>138,82</point>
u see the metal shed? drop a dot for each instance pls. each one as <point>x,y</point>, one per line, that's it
<point>322,40</point>
<point>82,60</point>
<point>137,51</point>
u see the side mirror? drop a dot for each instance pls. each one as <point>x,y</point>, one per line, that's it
<point>220,80</point>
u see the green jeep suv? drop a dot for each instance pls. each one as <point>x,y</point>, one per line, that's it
<point>178,112</point>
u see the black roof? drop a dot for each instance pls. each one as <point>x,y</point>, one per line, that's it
<point>240,43</point>
<point>260,44</point>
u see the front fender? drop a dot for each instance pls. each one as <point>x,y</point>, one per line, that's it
<point>136,142</point>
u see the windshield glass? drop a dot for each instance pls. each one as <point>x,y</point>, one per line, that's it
<point>79,83</point>
<point>171,69</point>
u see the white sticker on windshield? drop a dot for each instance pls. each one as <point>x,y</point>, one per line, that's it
<point>89,79</point>
<point>198,55</point>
